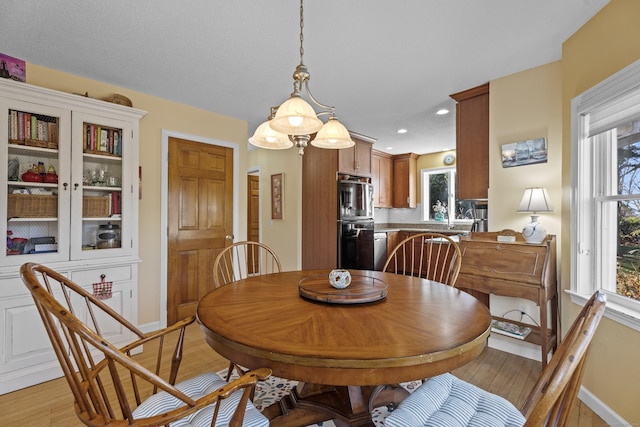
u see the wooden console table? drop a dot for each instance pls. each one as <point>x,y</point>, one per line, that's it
<point>514,269</point>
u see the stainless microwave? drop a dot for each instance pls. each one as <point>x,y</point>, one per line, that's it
<point>355,200</point>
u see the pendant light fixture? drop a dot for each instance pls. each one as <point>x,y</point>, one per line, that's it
<point>295,121</point>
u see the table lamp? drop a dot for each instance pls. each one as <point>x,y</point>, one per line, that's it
<point>535,200</point>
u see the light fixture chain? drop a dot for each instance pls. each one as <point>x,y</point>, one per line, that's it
<point>301,27</point>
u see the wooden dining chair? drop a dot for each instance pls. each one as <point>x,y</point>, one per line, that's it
<point>239,261</point>
<point>242,260</point>
<point>109,387</point>
<point>447,400</point>
<point>432,256</point>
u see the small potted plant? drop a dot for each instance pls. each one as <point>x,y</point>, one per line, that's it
<point>440,210</point>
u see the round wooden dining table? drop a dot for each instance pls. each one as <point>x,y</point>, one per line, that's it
<point>339,351</point>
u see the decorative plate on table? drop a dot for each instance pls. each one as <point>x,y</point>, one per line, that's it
<point>362,289</point>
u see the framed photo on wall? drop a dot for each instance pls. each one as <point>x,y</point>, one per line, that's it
<point>523,153</point>
<point>277,196</point>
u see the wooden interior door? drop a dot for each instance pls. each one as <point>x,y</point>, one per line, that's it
<point>253,212</point>
<point>200,220</point>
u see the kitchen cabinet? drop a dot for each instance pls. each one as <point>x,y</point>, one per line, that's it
<point>356,160</point>
<point>320,168</point>
<point>393,238</point>
<point>405,169</point>
<point>472,142</point>
<point>70,201</point>
<point>382,179</point>
<point>319,208</point>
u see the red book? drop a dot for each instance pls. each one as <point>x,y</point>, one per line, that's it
<point>115,202</point>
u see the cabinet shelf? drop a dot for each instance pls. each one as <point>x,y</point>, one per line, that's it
<point>33,219</point>
<point>16,148</point>
<point>31,184</point>
<point>536,335</point>
<point>102,156</point>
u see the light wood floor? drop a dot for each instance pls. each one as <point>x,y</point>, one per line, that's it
<point>50,403</point>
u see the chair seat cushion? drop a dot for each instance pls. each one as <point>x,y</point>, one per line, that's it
<point>446,401</point>
<point>196,388</point>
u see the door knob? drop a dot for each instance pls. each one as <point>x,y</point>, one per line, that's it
<point>229,237</point>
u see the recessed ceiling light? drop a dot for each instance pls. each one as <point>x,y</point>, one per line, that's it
<point>442,111</point>
<point>402,130</point>
<point>389,148</point>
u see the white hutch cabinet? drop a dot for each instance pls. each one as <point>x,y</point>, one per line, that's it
<point>69,200</point>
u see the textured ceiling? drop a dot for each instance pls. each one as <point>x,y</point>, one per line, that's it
<point>383,65</point>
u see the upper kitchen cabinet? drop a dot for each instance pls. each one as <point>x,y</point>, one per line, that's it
<point>405,169</point>
<point>357,159</point>
<point>472,142</point>
<point>382,179</point>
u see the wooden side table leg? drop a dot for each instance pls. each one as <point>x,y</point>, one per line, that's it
<point>544,331</point>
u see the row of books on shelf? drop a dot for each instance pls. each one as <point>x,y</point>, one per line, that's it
<point>102,139</point>
<point>27,126</point>
<point>510,329</point>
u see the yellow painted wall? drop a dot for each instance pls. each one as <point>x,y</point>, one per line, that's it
<point>162,114</point>
<point>602,47</point>
<point>522,106</point>
<point>283,236</point>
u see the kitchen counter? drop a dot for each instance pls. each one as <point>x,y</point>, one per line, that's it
<point>456,228</point>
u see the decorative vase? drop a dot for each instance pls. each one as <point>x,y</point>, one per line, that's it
<point>340,279</point>
<point>439,216</point>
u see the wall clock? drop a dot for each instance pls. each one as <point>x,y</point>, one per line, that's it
<point>449,159</point>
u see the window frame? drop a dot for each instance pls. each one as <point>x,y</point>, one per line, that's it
<point>612,101</point>
<point>427,213</point>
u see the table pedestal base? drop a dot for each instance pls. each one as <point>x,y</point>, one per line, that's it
<point>347,406</point>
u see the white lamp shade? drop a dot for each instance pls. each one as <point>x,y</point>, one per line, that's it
<point>535,200</point>
<point>296,117</point>
<point>333,135</point>
<point>265,137</point>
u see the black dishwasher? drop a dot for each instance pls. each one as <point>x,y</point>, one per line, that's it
<point>379,250</point>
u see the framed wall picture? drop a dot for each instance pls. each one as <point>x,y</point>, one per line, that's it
<point>528,152</point>
<point>277,196</point>
<point>12,68</point>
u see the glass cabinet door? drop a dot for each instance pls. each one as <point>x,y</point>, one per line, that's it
<point>101,195</point>
<point>35,147</point>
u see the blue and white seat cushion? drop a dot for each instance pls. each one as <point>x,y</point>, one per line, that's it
<point>446,401</point>
<point>196,388</point>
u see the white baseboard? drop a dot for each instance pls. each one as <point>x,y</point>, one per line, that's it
<point>596,405</point>
<point>150,327</point>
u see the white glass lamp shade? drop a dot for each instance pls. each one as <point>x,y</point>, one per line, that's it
<point>296,117</point>
<point>333,135</point>
<point>535,200</point>
<point>265,137</point>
